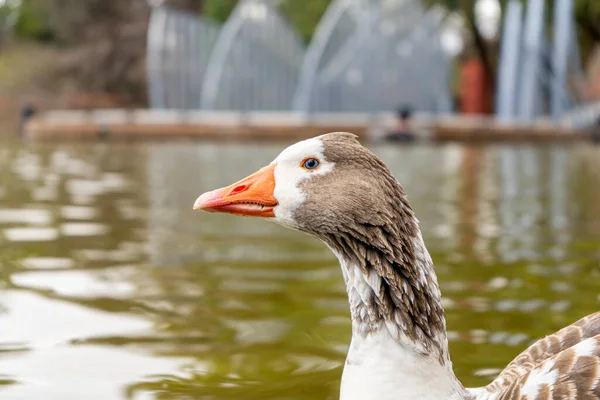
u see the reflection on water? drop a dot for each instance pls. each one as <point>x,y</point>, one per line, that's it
<point>112,288</point>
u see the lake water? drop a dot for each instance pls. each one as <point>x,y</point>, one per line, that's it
<point>112,288</point>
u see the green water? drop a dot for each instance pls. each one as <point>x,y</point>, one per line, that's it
<point>112,288</point>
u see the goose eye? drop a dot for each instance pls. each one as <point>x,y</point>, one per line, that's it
<point>310,163</point>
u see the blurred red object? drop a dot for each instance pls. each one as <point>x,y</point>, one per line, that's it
<point>475,94</point>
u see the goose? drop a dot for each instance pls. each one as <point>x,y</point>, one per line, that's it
<point>333,188</point>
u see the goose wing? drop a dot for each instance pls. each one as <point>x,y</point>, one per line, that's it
<point>564,365</point>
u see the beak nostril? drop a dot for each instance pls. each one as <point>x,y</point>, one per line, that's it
<point>238,189</point>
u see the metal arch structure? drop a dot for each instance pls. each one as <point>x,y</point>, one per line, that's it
<point>508,67</point>
<point>535,74</point>
<point>340,25</point>
<point>529,85</point>
<point>416,71</point>
<point>393,58</point>
<point>256,62</point>
<point>366,56</point>
<point>178,51</point>
<point>566,60</point>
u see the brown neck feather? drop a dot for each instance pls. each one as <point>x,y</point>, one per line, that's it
<point>403,294</point>
<point>363,215</point>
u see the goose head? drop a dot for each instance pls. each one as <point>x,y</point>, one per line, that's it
<point>325,186</point>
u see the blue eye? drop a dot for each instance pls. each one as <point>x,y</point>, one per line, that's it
<point>310,163</point>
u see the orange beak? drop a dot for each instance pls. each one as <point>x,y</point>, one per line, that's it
<point>252,196</point>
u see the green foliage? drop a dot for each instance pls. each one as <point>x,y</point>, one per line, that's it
<point>218,10</point>
<point>4,12</point>
<point>303,15</point>
<point>32,23</point>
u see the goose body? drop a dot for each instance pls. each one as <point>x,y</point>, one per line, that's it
<point>333,188</point>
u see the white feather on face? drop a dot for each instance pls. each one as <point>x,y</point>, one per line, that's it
<point>289,173</point>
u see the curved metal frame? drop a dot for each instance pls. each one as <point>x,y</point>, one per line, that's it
<point>563,29</point>
<point>154,47</point>
<point>178,49</point>
<point>356,61</point>
<point>369,64</point>
<point>226,48</point>
<point>538,69</point>
<point>529,85</point>
<point>316,51</point>
<point>508,66</point>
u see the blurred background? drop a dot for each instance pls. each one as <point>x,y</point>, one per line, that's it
<point>111,288</point>
<point>467,56</point>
